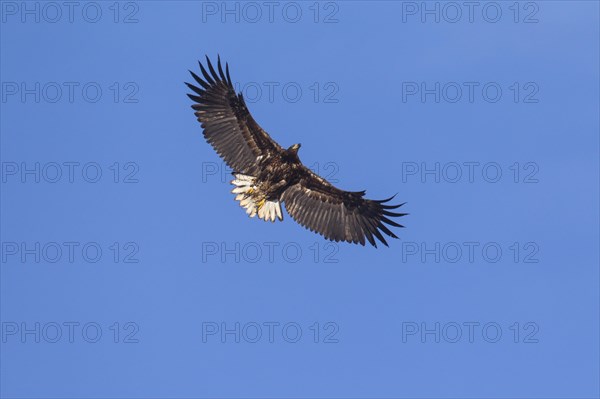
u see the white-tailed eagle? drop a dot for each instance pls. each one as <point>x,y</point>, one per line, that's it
<point>267,175</point>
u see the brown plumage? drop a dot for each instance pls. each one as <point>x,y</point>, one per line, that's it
<point>266,174</point>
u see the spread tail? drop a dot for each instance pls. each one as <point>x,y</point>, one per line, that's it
<point>253,200</point>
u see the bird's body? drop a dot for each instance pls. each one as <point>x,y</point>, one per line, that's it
<point>267,175</point>
<point>265,184</point>
<point>276,172</point>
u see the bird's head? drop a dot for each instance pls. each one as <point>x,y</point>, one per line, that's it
<point>294,149</point>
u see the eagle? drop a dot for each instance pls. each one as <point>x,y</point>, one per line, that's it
<point>267,175</point>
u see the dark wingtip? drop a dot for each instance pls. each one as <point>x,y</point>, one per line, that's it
<point>199,80</point>
<point>206,75</point>
<point>391,206</point>
<point>389,221</point>
<point>212,70</point>
<point>194,98</point>
<point>394,214</point>
<point>220,68</point>
<point>387,231</point>
<point>227,74</point>
<point>194,88</point>
<point>379,236</point>
<point>387,199</point>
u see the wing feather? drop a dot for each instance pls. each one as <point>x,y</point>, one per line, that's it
<point>228,125</point>
<point>339,215</point>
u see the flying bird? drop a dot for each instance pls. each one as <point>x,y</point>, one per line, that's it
<point>267,175</point>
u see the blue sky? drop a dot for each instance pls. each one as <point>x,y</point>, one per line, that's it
<point>129,271</point>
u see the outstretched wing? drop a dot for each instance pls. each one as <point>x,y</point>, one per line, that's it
<point>227,123</point>
<point>336,214</point>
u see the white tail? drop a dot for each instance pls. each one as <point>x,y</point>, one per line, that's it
<point>253,200</point>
